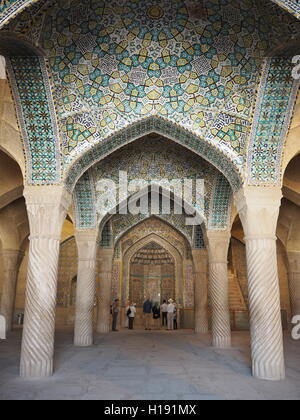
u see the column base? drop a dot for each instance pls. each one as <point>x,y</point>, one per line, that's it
<point>222,342</point>
<point>267,372</point>
<point>201,330</point>
<point>103,329</point>
<point>83,341</point>
<point>42,369</point>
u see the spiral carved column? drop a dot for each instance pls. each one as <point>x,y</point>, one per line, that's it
<point>266,328</point>
<point>201,292</point>
<point>38,333</point>
<point>259,209</point>
<point>47,207</point>
<point>294,281</point>
<point>12,260</point>
<point>86,287</point>
<point>104,298</point>
<point>218,287</point>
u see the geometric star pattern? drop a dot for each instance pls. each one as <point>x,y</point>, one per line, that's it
<point>148,160</point>
<point>115,65</point>
<point>30,84</point>
<point>275,102</point>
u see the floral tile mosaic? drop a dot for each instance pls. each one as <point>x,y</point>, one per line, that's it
<point>184,67</point>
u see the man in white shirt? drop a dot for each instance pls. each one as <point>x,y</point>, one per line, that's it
<point>171,309</point>
<point>131,316</point>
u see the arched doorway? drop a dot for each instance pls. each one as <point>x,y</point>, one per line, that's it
<point>153,259</point>
<point>152,275</point>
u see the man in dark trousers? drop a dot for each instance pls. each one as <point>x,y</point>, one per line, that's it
<point>115,313</point>
<point>147,309</point>
<point>164,311</point>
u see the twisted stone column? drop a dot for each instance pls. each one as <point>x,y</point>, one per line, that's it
<point>218,242</point>
<point>12,260</point>
<point>259,209</point>
<point>86,287</point>
<point>294,281</point>
<point>201,307</point>
<point>47,208</point>
<point>104,298</point>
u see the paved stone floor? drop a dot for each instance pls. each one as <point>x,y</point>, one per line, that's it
<point>147,365</point>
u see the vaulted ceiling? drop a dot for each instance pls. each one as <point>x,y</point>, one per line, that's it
<point>194,64</point>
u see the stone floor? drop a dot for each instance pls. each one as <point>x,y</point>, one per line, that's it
<point>147,365</point>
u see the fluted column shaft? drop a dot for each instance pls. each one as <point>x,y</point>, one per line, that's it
<point>12,260</point>
<point>104,298</point>
<point>201,290</point>
<point>259,209</point>
<point>86,287</point>
<point>218,287</point>
<point>294,281</point>
<point>47,207</point>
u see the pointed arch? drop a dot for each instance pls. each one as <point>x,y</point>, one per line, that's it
<point>164,219</point>
<point>290,6</point>
<point>10,9</point>
<point>17,45</point>
<point>219,205</point>
<point>212,154</point>
<point>176,255</point>
<point>152,237</point>
<point>32,90</point>
<point>271,121</point>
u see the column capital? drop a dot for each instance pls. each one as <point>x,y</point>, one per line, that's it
<point>201,252</point>
<point>13,253</point>
<point>47,194</point>
<point>294,261</point>
<point>12,259</point>
<point>86,241</point>
<point>218,244</point>
<point>88,235</point>
<point>106,253</point>
<point>200,259</point>
<point>258,208</point>
<point>47,207</point>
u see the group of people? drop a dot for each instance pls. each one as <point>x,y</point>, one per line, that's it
<point>167,312</point>
<point>155,315</point>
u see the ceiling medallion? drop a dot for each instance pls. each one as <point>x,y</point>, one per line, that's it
<point>155,12</point>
